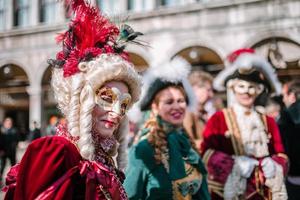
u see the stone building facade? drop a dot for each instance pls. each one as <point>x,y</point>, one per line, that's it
<point>202,31</point>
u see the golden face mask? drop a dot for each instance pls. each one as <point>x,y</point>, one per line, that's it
<point>245,87</point>
<point>111,99</point>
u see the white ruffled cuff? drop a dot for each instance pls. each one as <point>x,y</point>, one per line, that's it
<point>276,184</point>
<point>235,184</point>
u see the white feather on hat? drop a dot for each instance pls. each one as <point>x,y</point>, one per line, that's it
<point>174,71</point>
<point>247,62</point>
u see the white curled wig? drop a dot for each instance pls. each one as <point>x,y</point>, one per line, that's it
<point>75,96</point>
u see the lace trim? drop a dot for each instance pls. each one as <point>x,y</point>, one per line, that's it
<point>276,184</point>
<point>235,185</point>
<point>62,130</point>
<point>102,149</point>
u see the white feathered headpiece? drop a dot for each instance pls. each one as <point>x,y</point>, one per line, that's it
<point>243,63</point>
<point>159,77</point>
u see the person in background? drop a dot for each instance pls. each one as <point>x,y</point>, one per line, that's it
<point>194,122</point>
<point>62,121</point>
<point>94,85</point>
<point>165,163</point>
<point>35,133</point>
<point>133,133</point>
<point>274,107</point>
<point>10,139</point>
<point>51,127</point>
<point>289,124</point>
<point>242,148</point>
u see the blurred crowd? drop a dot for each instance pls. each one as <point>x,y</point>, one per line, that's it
<point>204,127</point>
<point>252,155</point>
<point>284,108</point>
<point>176,133</point>
<point>11,138</point>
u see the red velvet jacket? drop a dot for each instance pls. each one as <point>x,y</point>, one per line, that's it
<point>52,168</point>
<point>218,148</point>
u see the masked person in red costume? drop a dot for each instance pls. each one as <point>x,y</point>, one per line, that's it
<point>242,148</point>
<point>94,85</point>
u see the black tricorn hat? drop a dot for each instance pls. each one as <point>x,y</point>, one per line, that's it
<point>251,76</point>
<point>156,86</point>
<point>249,67</point>
<point>159,77</point>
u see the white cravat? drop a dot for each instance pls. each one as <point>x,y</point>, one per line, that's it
<point>252,130</point>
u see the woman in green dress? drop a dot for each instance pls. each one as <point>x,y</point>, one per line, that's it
<point>164,164</point>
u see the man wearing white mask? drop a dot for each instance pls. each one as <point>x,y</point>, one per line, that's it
<point>242,148</point>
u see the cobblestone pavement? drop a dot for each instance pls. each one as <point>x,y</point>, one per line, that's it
<point>20,152</point>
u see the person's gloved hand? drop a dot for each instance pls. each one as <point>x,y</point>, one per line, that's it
<point>246,165</point>
<point>269,167</point>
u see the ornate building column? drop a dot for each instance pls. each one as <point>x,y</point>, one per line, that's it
<point>122,6</point>
<point>35,103</point>
<point>34,13</point>
<point>61,18</point>
<point>9,15</point>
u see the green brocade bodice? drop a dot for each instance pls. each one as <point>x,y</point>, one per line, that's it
<point>147,180</point>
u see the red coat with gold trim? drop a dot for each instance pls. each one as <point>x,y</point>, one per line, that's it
<point>218,149</point>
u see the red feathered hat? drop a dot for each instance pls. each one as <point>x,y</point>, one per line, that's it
<point>94,43</point>
<point>90,34</point>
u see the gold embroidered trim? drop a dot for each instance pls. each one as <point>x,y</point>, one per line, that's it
<point>100,189</point>
<point>236,133</point>
<point>232,125</point>
<point>251,195</point>
<point>264,120</point>
<point>216,187</point>
<point>219,193</point>
<point>192,174</point>
<point>215,184</point>
<point>230,128</point>
<point>207,156</point>
<point>217,190</point>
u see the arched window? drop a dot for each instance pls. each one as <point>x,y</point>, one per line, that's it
<point>139,62</point>
<point>14,101</point>
<point>202,58</point>
<point>283,54</point>
<point>205,59</point>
